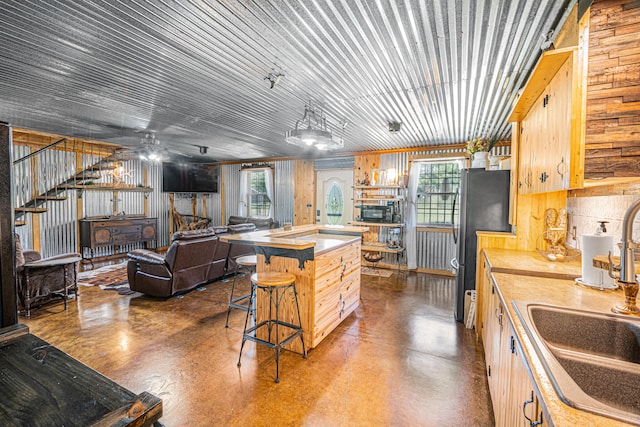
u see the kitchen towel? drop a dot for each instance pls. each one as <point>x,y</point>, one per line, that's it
<point>592,245</point>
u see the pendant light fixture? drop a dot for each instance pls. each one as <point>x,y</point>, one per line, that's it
<point>312,131</point>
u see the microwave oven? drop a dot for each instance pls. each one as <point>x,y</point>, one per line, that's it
<point>375,213</point>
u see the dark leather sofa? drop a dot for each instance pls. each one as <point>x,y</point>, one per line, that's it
<point>194,258</point>
<point>260,223</point>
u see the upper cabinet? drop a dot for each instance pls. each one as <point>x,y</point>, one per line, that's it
<point>577,119</point>
<point>549,114</point>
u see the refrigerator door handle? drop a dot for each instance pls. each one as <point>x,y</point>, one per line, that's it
<point>453,225</point>
<point>454,264</point>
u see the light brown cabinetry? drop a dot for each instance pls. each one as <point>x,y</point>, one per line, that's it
<point>514,400</point>
<point>328,289</point>
<point>550,154</point>
<point>523,407</point>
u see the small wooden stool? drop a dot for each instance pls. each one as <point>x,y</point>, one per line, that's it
<point>249,262</point>
<point>275,284</point>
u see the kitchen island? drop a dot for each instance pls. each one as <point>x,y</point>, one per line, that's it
<point>326,263</point>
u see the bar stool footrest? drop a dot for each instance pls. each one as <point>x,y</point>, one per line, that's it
<point>247,335</point>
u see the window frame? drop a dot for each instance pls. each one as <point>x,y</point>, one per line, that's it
<point>425,208</point>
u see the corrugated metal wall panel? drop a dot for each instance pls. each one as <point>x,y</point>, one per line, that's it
<point>334,163</point>
<point>435,250</point>
<point>284,183</point>
<point>158,202</point>
<point>231,174</point>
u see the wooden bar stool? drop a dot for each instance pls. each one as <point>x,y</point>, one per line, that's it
<point>276,284</point>
<point>249,262</point>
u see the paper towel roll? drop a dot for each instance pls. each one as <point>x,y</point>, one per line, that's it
<point>592,245</point>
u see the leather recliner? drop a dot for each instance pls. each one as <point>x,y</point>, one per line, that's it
<point>190,261</point>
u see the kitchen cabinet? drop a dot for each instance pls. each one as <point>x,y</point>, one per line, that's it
<point>523,407</point>
<point>510,385</point>
<point>550,148</point>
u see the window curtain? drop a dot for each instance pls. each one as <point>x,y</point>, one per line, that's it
<point>268,182</point>
<point>412,197</point>
<point>244,194</point>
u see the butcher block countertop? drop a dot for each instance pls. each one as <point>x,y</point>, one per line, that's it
<point>322,238</point>
<point>531,263</point>
<point>526,276</point>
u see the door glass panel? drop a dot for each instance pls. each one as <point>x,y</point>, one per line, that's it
<point>334,204</point>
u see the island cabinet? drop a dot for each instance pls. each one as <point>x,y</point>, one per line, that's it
<point>326,263</point>
<point>328,289</point>
<point>550,131</point>
<point>514,400</point>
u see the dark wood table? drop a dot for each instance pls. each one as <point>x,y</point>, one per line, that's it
<point>42,386</point>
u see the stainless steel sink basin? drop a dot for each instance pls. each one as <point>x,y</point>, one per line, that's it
<point>592,359</point>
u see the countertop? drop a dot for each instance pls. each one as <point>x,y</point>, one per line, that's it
<point>531,263</point>
<point>505,265</point>
<point>322,238</point>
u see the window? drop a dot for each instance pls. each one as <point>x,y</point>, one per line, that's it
<point>259,201</point>
<point>438,186</point>
<point>256,198</point>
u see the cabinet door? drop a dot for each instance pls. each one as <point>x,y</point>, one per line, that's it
<point>495,315</point>
<point>524,407</point>
<point>483,298</point>
<point>546,137</point>
<point>557,150</point>
<point>503,370</point>
<point>532,130</point>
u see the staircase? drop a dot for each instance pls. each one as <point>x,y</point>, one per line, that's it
<point>37,205</point>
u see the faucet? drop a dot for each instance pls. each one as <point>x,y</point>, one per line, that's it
<point>627,279</point>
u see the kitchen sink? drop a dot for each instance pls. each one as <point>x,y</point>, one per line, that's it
<point>592,358</point>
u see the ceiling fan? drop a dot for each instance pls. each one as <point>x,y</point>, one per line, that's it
<point>149,149</point>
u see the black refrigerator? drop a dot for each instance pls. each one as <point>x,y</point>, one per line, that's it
<point>484,206</point>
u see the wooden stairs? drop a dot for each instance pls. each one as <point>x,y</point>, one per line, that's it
<point>91,173</point>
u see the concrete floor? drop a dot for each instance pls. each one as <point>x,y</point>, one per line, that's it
<point>399,360</point>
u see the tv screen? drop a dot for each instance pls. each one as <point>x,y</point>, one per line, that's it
<point>190,178</point>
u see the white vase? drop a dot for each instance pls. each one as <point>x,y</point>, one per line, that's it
<point>480,159</point>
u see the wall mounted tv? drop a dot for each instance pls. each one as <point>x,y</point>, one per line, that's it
<point>190,177</point>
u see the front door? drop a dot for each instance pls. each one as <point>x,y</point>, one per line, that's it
<point>334,200</point>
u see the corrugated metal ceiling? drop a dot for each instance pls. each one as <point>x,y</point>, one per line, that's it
<point>194,71</point>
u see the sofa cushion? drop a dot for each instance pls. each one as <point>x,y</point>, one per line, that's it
<point>220,229</point>
<point>146,256</point>
<point>260,223</point>
<point>19,254</point>
<point>241,228</point>
<point>193,234</point>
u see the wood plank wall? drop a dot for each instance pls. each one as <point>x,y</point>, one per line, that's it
<point>304,192</point>
<point>613,90</point>
<point>364,164</point>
